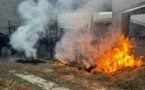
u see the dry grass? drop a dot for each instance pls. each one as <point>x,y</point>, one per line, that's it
<point>11,85</point>
<point>127,79</point>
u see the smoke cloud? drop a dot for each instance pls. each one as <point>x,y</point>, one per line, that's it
<point>79,41</point>
<point>83,5</point>
<point>35,17</point>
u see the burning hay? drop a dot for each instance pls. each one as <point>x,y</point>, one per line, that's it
<point>119,57</point>
<point>127,78</point>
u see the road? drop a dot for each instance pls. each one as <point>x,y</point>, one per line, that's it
<point>45,75</point>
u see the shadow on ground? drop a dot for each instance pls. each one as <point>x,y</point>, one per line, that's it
<point>36,61</point>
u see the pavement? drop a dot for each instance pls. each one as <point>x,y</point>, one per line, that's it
<point>44,75</point>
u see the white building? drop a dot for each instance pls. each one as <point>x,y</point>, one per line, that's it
<point>73,20</point>
<point>77,20</point>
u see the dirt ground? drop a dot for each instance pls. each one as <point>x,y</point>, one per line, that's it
<point>71,77</point>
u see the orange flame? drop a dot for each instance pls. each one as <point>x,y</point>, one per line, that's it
<point>120,56</point>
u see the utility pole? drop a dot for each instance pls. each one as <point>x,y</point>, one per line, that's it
<point>9,26</point>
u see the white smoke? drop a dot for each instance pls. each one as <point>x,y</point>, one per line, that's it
<point>78,37</point>
<point>35,17</point>
<point>77,40</point>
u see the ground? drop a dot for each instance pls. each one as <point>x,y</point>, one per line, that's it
<point>64,77</point>
<point>47,75</point>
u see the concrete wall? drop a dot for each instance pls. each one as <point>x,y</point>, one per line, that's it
<point>101,16</point>
<point>8,11</point>
<point>121,19</point>
<point>124,4</point>
<point>139,19</point>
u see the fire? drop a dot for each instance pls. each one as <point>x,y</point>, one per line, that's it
<point>61,63</point>
<point>119,57</point>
